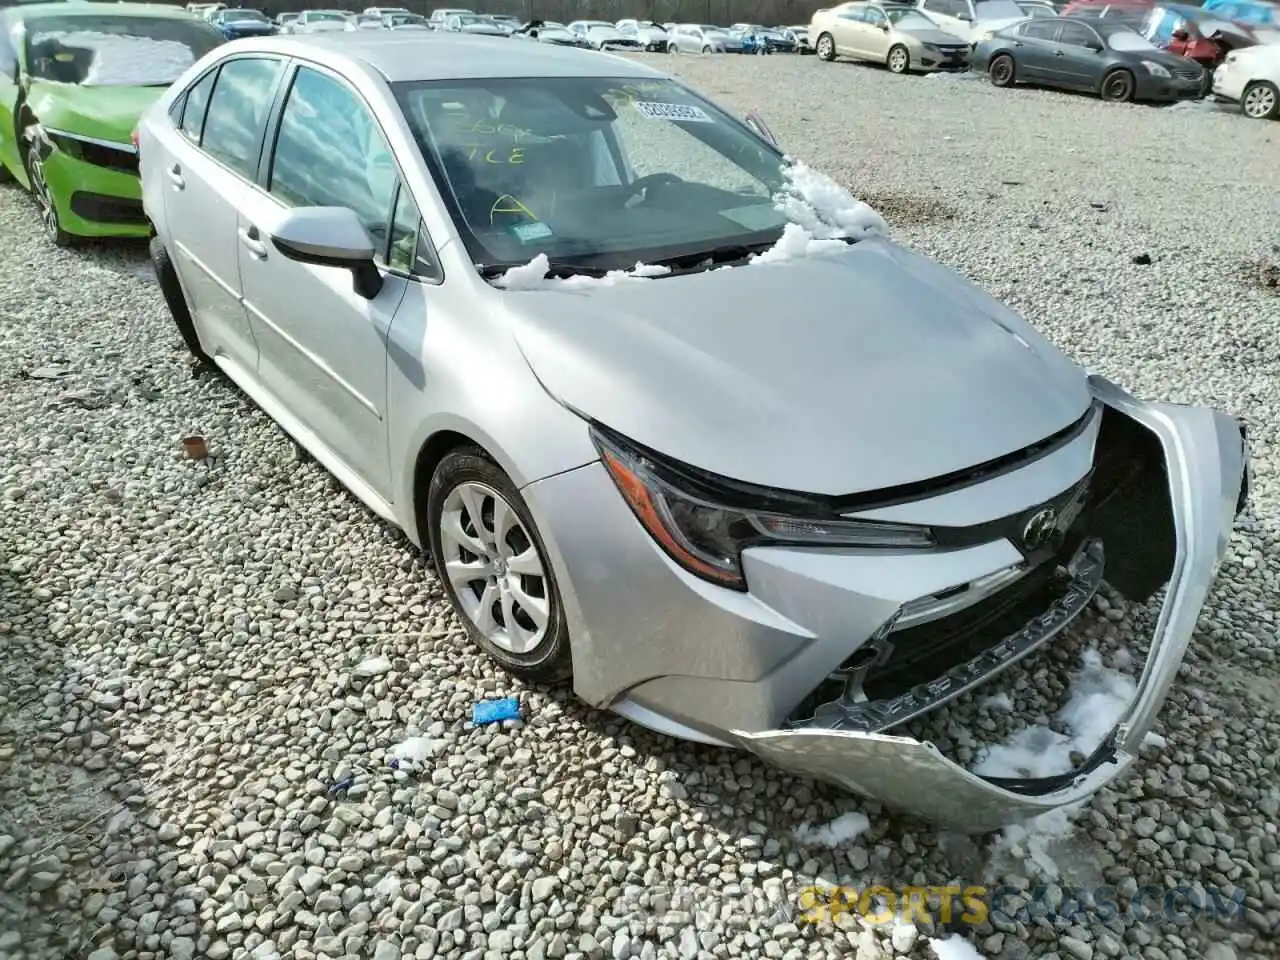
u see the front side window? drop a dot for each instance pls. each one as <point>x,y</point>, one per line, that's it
<point>909,19</point>
<point>330,153</point>
<point>1042,30</point>
<point>595,168</point>
<point>104,50</point>
<point>874,17</point>
<point>1077,35</point>
<point>237,114</point>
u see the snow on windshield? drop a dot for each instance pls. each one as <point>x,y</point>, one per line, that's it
<point>1129,41</point>
<point>115,59</point>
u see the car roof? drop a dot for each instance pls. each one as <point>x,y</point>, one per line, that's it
<point>450,57</point>
<point>33,10</point>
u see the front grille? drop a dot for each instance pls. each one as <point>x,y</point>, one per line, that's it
<point>101,208</point>
<point>121,159</point>
<point>1189,72</point>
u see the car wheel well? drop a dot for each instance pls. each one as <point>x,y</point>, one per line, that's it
<point>436,448</point>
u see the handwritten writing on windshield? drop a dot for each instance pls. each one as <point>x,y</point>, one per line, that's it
<point>509,205</point>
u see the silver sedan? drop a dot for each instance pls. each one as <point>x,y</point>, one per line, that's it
<point>536,306</point>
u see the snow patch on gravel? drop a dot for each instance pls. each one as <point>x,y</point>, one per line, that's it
<point>848,827</point>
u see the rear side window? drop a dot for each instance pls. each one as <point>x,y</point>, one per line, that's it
<point>236,116</point>
<point>196,105</point>
<point>1040,30</point>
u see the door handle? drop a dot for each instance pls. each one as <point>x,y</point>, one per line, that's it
<point>1059,53</point>
<point>1017,43</point>
<point>174,173</point>
<point>249,237</point>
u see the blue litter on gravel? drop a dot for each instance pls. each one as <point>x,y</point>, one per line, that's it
<point>495,711</point>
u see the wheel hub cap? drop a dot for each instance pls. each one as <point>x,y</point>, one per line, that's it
<point>494,568</point>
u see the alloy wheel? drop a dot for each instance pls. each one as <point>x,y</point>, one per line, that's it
<point>826,48</point>
<point>898,60</point>
<point>495,568</point>
<point>1260,101</point>
<point>40,190</point>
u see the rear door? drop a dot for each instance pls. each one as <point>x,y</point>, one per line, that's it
<point>1035,51</point>
<point>324,347</point>
<point>209,159</point>
<point>1077,61</point>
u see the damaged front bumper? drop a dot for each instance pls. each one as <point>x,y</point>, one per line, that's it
<point>1207,467</point>
<point>686,658</point>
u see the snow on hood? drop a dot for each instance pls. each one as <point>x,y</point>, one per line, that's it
<point>533,276</point>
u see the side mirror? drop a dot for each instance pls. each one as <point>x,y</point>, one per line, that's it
<point>757,124</point>
<point>330,237</point>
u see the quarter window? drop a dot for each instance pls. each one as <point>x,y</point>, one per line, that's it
<point>197,105</point>
<point>236,116</point>
<point>330,153</point>
<point>856,14</point>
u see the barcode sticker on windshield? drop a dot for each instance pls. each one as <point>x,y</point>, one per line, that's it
<point>671,111</point>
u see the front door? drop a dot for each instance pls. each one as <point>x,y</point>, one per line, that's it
<point>874,35</point>
<point>209,163</point>
<point>1076,59</point>
<point>1035,49</point>
<point>323,350</point>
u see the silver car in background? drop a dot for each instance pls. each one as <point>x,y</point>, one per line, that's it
<point>535,306</point>
<point>652,35</point>
<point>894,34</point>
<point>702,38</point>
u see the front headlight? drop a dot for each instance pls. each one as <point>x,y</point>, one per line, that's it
<point>706,536</point>
<point>986,35</point>
<point>1155,69</point>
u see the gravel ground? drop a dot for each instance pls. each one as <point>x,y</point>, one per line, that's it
<point>193,655</point>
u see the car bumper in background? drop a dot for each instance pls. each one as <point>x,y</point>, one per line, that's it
<point>681,656</point>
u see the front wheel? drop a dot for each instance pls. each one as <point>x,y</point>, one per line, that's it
<point>707,48</point>
<point>1002,70</point>
<point>826,48</point>
<point>672,48</point>
<point>899,60</point>
<point>43,196</point>
<point>1260,101</point>
<point>1118,86</point>
<point>494,567</point>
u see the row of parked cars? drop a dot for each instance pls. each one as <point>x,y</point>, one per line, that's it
<point>1120,49</point>
<point>627,34</point>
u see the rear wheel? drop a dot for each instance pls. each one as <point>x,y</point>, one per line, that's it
<point>672,48</point>
<point>175,299</point>
<point>494,567</point>
<point>1260,101</point>
<point>1002,70</point>
<point>1118,86</point>
<point>899,60</point>
<point>826,48</point>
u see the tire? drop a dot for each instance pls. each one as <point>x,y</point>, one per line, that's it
<point>707,48</point>
<point>899,59</point>
<point>1118,86</point>
<point>825,48</point>
<point>466,480</point>
<point>1002,70</point>
<point>176,300</point>
<point>672,48</point>
<point>1260,101</point>
<point>49,221</point>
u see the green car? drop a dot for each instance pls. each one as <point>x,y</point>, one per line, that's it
<point>74,80</point>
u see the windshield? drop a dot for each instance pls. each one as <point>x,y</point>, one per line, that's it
<point>1035,10</point>
<point>592,169</point>
<point>315,15</point>
<point>234,15</point>
<point>400,19</point>
<point>469,21</point>
<point>909,18</point>
<point>129,51</point>
<point>1125,40</point>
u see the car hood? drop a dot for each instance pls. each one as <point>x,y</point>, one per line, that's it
<point>104,112</point>
<point>830,375</point>
<point>930,35</point>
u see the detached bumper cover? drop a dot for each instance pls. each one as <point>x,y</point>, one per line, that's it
<point>1207,466</point>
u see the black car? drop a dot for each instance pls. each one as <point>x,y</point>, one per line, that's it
<point>1108,58</point>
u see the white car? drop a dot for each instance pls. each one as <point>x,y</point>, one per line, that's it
<point>652,35</point>
<point>440,14</point>
<point>970,19</point>
<point>1251,77</point>
<point>702,38</point>
<point>380,12</point>
<point>369,21</point>
<point>321,21</point>
<point>474,24</point>
<point>599,35</point>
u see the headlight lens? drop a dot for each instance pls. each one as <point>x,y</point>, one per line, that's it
<point>1155,69</point>
<point>707,539</point>
<point>986,35</point>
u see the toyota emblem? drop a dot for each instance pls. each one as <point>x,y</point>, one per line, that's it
<point>1040,529</point>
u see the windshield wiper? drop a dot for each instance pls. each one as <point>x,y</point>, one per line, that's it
<point>727,255</point>
<point>558,268</point>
